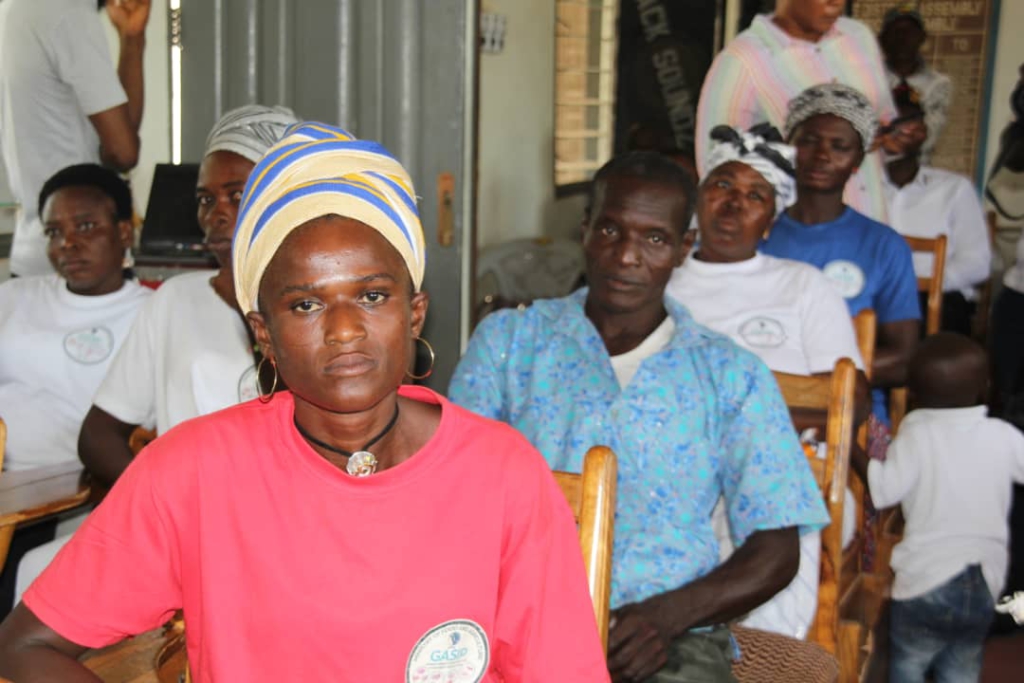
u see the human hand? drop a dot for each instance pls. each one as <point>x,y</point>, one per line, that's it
<point>129,17</point>
<point>638,641</point>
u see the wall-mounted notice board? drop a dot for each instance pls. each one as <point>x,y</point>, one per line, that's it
<point>958,46</point>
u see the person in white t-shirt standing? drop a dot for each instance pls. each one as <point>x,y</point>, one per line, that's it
<point>784,311</point>
<point>952,469</point>
<point>59,333</point>
<point>190,352</point>
<point>63,103</point>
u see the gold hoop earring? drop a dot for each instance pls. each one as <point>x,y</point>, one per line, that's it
<point>430,350</point>
<point>265,398</point>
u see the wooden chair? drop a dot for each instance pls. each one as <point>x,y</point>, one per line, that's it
<point>849,601</point>
<point>933,311</point>
<point>591,497</point>
<point>828,401</point>
<point>3,442</point>
<point>865,326</point>
<point>931,285</point>
<point>140,438</point>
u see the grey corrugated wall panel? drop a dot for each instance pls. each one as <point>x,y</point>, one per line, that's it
<point>396,71</point>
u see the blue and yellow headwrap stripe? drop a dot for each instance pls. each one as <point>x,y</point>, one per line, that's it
<point>315,170</point>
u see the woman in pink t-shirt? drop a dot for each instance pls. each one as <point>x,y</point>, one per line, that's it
<point>350,529</point>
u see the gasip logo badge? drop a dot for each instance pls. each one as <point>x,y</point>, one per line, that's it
<point>846,277</point>
<point>90,346</point>
<point>763,332</point>
<point>456,651</point>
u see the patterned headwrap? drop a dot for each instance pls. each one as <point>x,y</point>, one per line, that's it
<point>763,150</point>
<point>316,170</point>
<point>836,99</point>
<point>249,131</point>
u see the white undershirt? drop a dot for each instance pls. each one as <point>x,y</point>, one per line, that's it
<point>626,364</point>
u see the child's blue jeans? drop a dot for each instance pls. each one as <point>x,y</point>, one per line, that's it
<point>942,631</point>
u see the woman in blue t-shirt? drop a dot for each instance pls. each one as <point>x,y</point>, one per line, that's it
<point>832,127</point>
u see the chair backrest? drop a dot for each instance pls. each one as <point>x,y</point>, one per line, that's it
<point>591,497</point>
<point>865,325</point>
<point>831,398</point>
<point>933,284</point>
<point>3,443</point>
<point>140,438</point>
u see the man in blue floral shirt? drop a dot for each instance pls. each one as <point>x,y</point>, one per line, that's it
<point>690,415</point>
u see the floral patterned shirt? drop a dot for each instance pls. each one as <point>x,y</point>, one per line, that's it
<point>701,418</point>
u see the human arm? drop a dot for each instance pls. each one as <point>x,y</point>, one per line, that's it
<point>130,17</point>
<point>895,345</point>
<point>969,260</point>
<point>119,575</point>
<point>897,309</point>
<point>769,491</point>
<point>103,445</point>
<point>729,97</point>
<point>118,127</point>
<point>31,651</point>
<point>890,480</point>
<point>125,399</point>
<point>641,632</point>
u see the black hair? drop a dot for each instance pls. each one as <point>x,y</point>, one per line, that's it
<point>650,166</point>
<point>91,175</point>
<point>948,371</point>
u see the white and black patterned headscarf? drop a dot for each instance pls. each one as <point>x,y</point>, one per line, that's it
<point>762,149</point>
<point>836,99</point>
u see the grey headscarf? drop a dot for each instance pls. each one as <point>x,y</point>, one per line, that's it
<point>249,131</point>
<point>836,99</point>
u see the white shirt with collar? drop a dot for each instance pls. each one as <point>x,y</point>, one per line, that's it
<point>938,202</point>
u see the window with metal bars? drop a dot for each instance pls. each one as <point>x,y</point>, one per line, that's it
<point>586,41</point>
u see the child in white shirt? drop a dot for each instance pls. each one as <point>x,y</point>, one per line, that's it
<point>952,469</point>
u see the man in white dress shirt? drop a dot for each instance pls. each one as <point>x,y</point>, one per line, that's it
<point>928,202</point>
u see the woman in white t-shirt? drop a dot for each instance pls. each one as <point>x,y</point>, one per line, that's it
<point>783,311</point>
<point>59,333</point>
<point>190,352</point>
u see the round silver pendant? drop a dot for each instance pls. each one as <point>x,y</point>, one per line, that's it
<point>361,464</point>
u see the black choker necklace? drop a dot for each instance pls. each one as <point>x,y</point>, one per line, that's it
<point>361,463</point>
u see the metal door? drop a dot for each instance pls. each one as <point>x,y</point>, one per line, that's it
<point>398,71</point>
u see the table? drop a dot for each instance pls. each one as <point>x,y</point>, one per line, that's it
<point>28,495</point>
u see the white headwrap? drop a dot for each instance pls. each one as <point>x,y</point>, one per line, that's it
<point>773,160</point>
<point>249,131</point>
